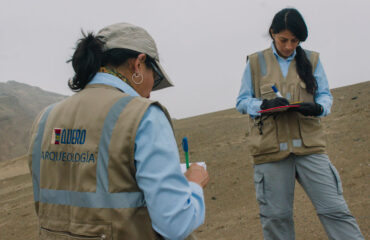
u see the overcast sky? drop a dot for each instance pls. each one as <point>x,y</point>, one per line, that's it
<point>202,43</point>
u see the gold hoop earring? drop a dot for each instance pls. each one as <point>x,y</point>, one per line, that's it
<point>137,75</point>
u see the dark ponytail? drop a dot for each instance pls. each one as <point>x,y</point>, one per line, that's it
<point>304,69</point>
<point>89,57</point>
<point>86,61</point>
<point>290,19</point>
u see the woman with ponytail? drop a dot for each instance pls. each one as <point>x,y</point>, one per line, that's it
<point>287,143</point>
<point>105,162</point>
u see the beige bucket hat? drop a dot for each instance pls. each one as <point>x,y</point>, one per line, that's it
<point>128,36</point>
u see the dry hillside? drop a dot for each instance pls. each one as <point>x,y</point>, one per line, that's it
<point>19,105</point>
<point>219,140</point>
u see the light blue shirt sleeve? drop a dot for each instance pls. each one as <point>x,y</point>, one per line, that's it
<point>246,103</point>
<point>322,95</point>
<point>176,206</point>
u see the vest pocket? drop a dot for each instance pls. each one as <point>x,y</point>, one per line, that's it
<point>303,94</point>
<point>267,141</point>
<point>267,92</point>
<point>311,131</point>
<point>49,234</point>
<point>51,229</point>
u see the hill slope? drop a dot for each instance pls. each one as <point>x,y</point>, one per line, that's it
<point>219,140</point>
<point>19,105</point>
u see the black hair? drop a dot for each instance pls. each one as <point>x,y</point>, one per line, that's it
<point>89,57</point>
<point>290,19</point>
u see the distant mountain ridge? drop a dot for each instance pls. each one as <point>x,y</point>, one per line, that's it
<point>19,105</point>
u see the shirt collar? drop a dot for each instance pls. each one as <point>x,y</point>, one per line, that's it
<point>110,80</point>
<point>290,58</point>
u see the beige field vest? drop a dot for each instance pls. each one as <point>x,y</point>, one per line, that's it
<point>82,161</point>
<point>285,132</point>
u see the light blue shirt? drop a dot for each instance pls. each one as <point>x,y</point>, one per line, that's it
<point>246,102</point>
<point>176,206</point>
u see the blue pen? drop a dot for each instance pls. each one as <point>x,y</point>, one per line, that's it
<point>278,94</point>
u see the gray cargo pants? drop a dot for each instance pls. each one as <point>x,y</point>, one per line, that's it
<point>274,183</point>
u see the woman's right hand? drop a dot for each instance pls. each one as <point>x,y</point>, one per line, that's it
<point>276,102</point>
<point>197,174</point>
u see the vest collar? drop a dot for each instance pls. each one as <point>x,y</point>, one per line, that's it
<point>288,59</point>
<point>110,80</point>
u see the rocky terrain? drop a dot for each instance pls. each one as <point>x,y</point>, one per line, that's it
<point>19,105</point>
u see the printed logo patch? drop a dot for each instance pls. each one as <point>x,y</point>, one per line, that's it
<point>68,136</point>
<point>55,137</point>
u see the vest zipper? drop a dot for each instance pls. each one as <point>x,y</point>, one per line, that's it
<point>71,235</point>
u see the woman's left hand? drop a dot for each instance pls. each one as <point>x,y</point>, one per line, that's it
<point>309,109</point>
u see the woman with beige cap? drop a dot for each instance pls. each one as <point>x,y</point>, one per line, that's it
<point>105,162</point>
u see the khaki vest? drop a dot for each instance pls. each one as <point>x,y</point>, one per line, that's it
<point>285,132</point>
<point>82,161</point>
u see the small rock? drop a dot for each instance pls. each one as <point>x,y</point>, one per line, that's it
<point>213,198</point>
<point>354,98</point>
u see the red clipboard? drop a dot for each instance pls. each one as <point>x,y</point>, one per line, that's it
<point>278,109</point>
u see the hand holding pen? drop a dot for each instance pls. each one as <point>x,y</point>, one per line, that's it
<point>275,102</point>
<point>278,94</point>
<point>195,173</point>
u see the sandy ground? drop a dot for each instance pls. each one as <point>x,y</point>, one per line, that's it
<point>219,140</point>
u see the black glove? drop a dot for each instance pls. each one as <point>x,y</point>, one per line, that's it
<point>309,109</point>
<point>271,103</point>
